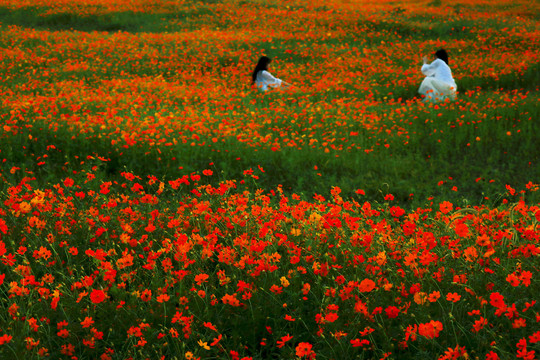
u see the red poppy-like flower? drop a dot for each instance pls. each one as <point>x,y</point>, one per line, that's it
<point>497,300</point>
<point>431,329</point>
<point>331,317</point>
<point>446,207</point>
<point>146,295</point>
<point>68,182</point>
<point>359,342</point>
<point>512,279</point>
<point>462,230</point>
<point>280,343</point>
<point>392,312</point>
<point>454,297</point>
<point>97,296</point>
<point>366,285</point>
<point>4,339</point>
<point>87,322</point>
<point>304,349</point>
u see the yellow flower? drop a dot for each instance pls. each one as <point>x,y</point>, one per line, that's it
<point>189,355</point>
<point>284,281</point>
<point>203,345</point>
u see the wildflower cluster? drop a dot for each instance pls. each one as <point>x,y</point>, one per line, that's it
<point>136,268</point>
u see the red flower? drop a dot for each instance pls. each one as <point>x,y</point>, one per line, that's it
<point>497,300</point>
<point>97,296</point>
<point>446,207</point>
<point>304,349</point>
<point>431,329</point>
<point>479,324</point>
<point>289,318</point>
<point>331,317</point>
<point>492,356</point>
<point>284,339</point>
<point>366,285</point>
<point>512,279</point>
<point>87,322</point>
<point>454,297</point>
<point>146,295</point>
<point>392,312</point>
<point>4,339</point>
<point>359,342</point>
<point>68,182</point>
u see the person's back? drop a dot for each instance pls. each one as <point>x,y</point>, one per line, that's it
<point>439,70</point>
<point>264,80</point>
<point>439,83</point>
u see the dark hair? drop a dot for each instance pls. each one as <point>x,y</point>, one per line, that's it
<point>262,64</point>
<point>441,54</point>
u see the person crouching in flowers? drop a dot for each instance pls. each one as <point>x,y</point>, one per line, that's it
<point>263,79</point>
<point>439,83</point>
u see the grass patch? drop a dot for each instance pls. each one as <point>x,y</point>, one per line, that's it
<point>127,21</point>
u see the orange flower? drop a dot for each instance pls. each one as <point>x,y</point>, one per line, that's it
<point>446,207</point>
<point>87,322</point>
<point>280,343</point>
<point>231,300</point>
<point>420,298</point>
<point>470,254</point>
<point>201,278</point>
<point>146,295</point>
<point>434,296</point>
<point>366,285</point>
<point>430,330</point>
<point>163,298</point>
<point>454,297</point>
<point>462,230</point>
<point>512,279</point>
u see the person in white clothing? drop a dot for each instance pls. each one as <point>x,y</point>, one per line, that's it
<point>439,84</point>
<point>263,79</point>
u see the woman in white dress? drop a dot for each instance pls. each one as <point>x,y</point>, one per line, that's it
<point>263,79</point>
<point>439,83</point>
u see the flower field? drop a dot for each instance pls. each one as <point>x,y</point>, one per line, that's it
<point>154,205</point>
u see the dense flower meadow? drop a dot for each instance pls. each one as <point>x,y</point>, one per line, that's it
<point>154,205</point>
<point>132,268</point>
<point>173,82</point>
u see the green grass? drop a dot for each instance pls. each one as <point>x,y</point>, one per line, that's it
<point>436,150</point>
<point>128,21</point>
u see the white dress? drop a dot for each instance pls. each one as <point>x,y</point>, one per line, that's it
<point>266,81</point>
<point>439,83</point>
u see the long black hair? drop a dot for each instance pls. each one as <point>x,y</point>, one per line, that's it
<point>441,54</point>
<point>262,64</point>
